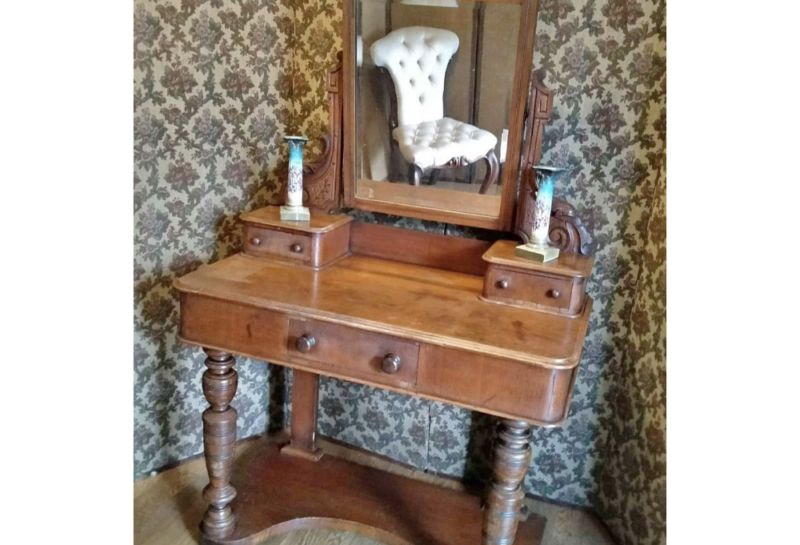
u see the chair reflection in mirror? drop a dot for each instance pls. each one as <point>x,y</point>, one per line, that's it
<point>416,58</point>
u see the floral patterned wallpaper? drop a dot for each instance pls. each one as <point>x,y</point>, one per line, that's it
<point>212,101</point>
<point>218,82</point>
<point>632,492</point>
<point>606,61</point>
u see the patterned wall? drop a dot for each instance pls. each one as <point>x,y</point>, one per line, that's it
<point>212,100</point>
<point>607,63</point>
<point>633,462</point>
<point>218,82</point>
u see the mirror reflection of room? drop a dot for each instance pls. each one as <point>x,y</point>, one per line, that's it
<point>434,87</point>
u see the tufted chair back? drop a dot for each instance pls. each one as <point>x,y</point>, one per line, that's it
<point>416,58</point>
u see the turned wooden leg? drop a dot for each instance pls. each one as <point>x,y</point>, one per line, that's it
<point>512,456</point>
<point>305,400</point>
<point>219,440</point>
<point>492,170</point>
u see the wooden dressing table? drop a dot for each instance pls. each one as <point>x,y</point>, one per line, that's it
<point>456,320</point>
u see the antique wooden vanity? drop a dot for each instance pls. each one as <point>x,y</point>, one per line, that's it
<point>457,320</point>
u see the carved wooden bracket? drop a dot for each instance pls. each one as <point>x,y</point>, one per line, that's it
<point>322,179</point>
<point>567,232</point>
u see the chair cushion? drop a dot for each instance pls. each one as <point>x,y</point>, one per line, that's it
<point>435,143</point>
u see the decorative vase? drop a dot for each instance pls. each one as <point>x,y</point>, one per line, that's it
<point>294,209</point>
<point>538,249</point>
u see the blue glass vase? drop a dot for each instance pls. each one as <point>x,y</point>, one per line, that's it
<point>538,249</point>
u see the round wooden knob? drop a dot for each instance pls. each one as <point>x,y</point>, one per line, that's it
<point>555,294</point>
<point>502,284</point>
<point>255,241</point>
<point>391,363</point>
<point>296,248</point>
<point>305,343</point>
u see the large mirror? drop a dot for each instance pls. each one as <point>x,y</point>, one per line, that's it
<point>436,112</point>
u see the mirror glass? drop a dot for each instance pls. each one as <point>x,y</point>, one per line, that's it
<point>434,84</point>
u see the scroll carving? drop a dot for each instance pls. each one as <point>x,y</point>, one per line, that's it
<point>322,178</point>
<point>567,231</point>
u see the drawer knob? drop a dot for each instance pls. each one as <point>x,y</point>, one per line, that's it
<point>296,248</point>
<point>555,294</point>
<point>391,364</point>
<point>305,343</point>
<point>255,241</point>
<point>502,284</point>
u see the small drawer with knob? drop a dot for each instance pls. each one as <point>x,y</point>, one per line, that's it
<point>316,243</point>
<point>541,291</point>
<point>372,357</point>
<point>557,287</point>
<point>260,241</point>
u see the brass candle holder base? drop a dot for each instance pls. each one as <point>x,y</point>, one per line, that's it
<point>542,254</point>
<point>295,213</point>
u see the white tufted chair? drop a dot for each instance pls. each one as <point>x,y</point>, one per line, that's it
<point>417,58</point>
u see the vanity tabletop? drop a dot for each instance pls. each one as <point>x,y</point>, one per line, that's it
<point>572,265</point>
<point>414,302</point>
<point>270,216</point>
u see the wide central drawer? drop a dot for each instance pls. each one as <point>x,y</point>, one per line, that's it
<point>361,354</point>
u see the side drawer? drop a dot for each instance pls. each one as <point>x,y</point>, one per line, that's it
<point>542,291</point>
<point>240,329</point>
<point>260,242</point>
<point>352,352</point>
<point>496,386</point>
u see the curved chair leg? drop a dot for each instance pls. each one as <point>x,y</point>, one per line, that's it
<point>434,176</point>
<point>393,167</point>
<point>492,170</point>
<point>417,175</point>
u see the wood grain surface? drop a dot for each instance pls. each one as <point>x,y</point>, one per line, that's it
<point>278,494</point>
<point>419,248</point>
<point>407,301</point>
<point>168,507</point>
<point>270,216</point>
<point>567,264</point>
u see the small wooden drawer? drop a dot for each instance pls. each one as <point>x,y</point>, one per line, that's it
<point>556,287</point>
<point>261,241</point>
<point>315,243</point>
<point>372,357</point>
<point>523,288</point>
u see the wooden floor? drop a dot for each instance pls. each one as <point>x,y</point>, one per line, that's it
<point>168,507</point>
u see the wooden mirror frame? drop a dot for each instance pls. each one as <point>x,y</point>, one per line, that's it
<point>516,122</point>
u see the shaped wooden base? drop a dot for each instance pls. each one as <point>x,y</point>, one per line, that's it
<point>542,254</point>
<point>278,494</point>
<point>295,213</point>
